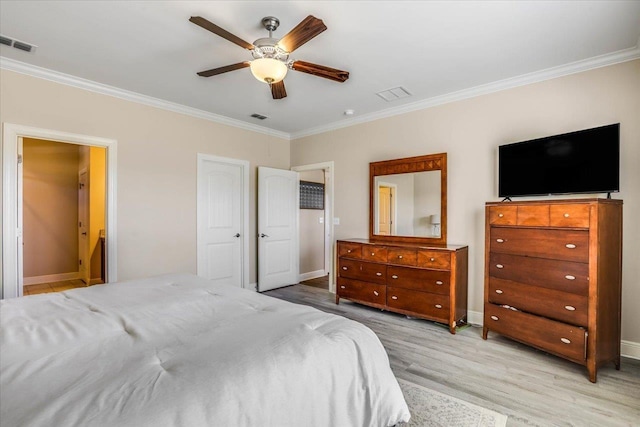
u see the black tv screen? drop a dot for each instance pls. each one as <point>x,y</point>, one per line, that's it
<point>586,161</point>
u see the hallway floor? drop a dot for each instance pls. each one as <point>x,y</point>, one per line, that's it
<point>44,288</point>
<point>318,282</point>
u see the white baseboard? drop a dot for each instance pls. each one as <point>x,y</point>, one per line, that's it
<point>627,348</point>
<point>36,280</point>
<point>311,275</point>
<point>630,349</point>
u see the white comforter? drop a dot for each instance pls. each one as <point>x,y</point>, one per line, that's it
<point>179,351</point>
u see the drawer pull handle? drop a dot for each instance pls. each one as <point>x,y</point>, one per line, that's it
<point>566,215</point>
<point>432,259</point>
<point>394,277</point>
<point>500,240</point>
<point>438,306</point>
<point>499,266</point>
<point>570,307</point>
<point>378,274</point>
<point>498,291</point>
<point>348,251</point>
<point>570,277</point>
<point>345,268</point>
<point>570,246</point>
<point>373,254</point>
<point>343,287</point>
<point>399,256</point>
<point>500,215</point>
<point>565,340</point>
<point>438,282</point>
<point>376,293</point>
<point>494,317</point>
<point>394,297</point>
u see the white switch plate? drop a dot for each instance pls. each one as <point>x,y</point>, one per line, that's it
<point>336,221</point>
<point>321,220</point>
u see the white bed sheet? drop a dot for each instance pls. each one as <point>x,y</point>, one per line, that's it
<point>178,350</point>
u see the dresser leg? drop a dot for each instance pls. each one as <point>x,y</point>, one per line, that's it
<point>485,332</point>
<point>617,363</point>
<point>337,298</point>
<point>592,375</point>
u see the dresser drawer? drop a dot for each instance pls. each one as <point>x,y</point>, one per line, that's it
<point>503,215</point>
<point>557,305</point>
<point>362,291</point>
<point>402,256</point>
<point>374,253</point>
<point>414,278</point>
<point>365,271</point>
<point>349,250</point>
<point>533,215</point>
<point>574,215</point>
<point>566,276</point>
<point>422,303</point>
<point>348,268</point>
<point>569,245</point>
<point>434,259</point>
<point>546,334</point>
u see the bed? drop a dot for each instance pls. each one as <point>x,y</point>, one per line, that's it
<point>178,350</point>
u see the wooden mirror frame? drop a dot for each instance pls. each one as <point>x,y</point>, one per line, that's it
<point>431,162</point>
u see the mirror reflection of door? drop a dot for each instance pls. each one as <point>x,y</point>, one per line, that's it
<point>385,210</point>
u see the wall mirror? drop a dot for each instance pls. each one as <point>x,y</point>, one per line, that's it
<point>408,200</point>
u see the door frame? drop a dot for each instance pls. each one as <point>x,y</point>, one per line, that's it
<point>394,206</point>
<point>245,165</point>
<point>329,243</point>
<point>12,203</point>
<point>83,249</point>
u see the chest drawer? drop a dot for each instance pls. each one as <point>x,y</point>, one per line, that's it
<point>565,276</point>
<point>576,215</point>
<point>374,253</point>
<point>569,245</point>
<point>434,259</point>
<point>365,271</point>
<point>503,215</point>
<point>414,278</point>
<point>423,303</point>
<point>533,215</point>
<point>402,256</point>
<point>349,250</point>
<point>368,292</point>
<point>562,306</point>
<point>546,334</point>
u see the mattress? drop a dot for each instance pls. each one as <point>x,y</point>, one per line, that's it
<point>178,350</point>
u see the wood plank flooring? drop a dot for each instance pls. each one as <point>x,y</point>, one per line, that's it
<point>529,386</point>
<point>44,288</point>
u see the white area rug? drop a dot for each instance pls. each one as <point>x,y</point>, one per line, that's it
<point>430,408</point>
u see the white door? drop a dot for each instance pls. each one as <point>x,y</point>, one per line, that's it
<point>222,219</point>
<point>83,227</point>
<point>278,254</point>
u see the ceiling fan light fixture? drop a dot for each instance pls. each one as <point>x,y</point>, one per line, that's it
<point>268,70</point>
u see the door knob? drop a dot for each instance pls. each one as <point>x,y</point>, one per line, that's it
<point>237,235</point>
<point>263,235</point>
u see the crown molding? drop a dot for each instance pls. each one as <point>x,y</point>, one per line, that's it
<point>69,80</point>
<point>513,82</point>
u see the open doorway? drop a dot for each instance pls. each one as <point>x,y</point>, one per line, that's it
<point>316,225</point>
<point>63,214</point>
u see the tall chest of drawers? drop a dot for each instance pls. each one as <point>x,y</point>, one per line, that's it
<point>553,277</point>
<point>416,280</point>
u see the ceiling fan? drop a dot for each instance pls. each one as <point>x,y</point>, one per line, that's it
<point>271,56</point>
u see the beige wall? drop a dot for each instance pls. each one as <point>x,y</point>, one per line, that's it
<point>470,132</point>
<point>50,208</point>
<point>156,177</point>
<point>311,231</point>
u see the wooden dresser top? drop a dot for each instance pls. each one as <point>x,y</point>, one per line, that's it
<point>405,245</point>
<point>554,202</point>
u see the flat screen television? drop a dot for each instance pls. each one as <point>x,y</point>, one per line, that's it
<point>586,161</point>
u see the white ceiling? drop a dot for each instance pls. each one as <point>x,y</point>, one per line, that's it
<point>430,48</point>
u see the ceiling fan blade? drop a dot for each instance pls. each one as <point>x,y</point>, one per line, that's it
<point>302,33</point>
<point>278,91</point>
<point>321,71</point>
<point>208,25</point>
<point>220,70</point>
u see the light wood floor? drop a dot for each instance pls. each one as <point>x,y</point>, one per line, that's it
<point>529,386</point>
<point>44,288</point>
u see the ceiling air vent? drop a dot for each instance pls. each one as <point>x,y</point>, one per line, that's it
<point>394,94</point>
<point>8,41</point>
<point>258,116</point>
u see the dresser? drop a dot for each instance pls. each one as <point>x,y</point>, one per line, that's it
<point>428,282</point>
<point>553,277</point>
